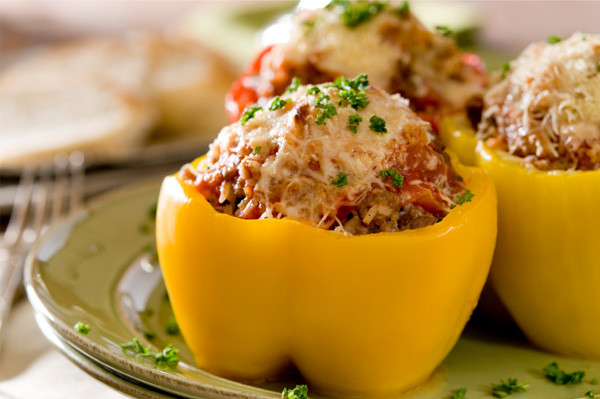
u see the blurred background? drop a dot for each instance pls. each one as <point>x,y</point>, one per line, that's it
<point>157,87</point>
<point>161,130</point>
<point>230,24</point>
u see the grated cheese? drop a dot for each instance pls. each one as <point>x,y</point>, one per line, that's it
<point>293,173</point>
<point>547,107</point>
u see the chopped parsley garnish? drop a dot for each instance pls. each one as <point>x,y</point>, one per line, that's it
<point>377,125</point>
<point>404,8</point>
<point>589,394</point>
<point>460,393</point>
<point>300,392</point>
<point>504,389</point>
<point>136,346</point>
<point>341,180</point>
<point>361,82</point>
<point>278,103</point>
<point>296,82</point>
<point>443,30</point>
<point>152,210</point>
<point>313,91</point>
<point>144,228</point>
<point>505,69</point>
<point>466,197</point>
<point>353,121</point>
<point>149,335</point>
<point>256,150</point>
<point>249,114</point>
<point>352,91</point>
<point>165,358</point>
<point>82,328</point>
<point>397,178</point>
<point>559,377</point>
<point>328,109</point>
<point>357,13</point>
<point>322,100</point>
<point>553,39</point>
<point>172,327</point>
<point>310,24</point>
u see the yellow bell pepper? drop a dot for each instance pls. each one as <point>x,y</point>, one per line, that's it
<point>458,136</point>
<point>355,314</point>
<point>546,269</point>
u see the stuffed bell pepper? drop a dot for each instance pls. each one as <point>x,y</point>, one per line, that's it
<point>330,232</point>
<point>539,138</point>
<point>382,39</point>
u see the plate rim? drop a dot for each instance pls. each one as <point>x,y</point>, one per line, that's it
<point>141,372</point>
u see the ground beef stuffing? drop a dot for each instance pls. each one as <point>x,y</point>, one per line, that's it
<point>342,156</point>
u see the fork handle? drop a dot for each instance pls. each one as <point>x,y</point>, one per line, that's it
<point>10,280</point>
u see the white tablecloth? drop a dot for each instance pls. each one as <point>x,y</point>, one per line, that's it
<point>30,367</point>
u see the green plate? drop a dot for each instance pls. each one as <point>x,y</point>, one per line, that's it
<point>99,267</point>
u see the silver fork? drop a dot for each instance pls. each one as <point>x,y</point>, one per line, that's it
<point>45,193</point>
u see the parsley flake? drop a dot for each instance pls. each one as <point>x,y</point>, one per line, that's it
<point>466,197</point>
<point>355,14</point>
<point>296,82</point>
<point>443,30</point>
<point>460,393</point>
<point>553,39</point>
<point>165,358</point>
<point>172,327</point>
<point>278,103</point>
<point>504,389</point>
<point>149,335</point>
<point>361,82</point>
<point>82,328</point>
<point>256,150</point>
<point>300,392</point>
<point>377,125</point>
<point>559,377</point>
<point>353,121</point>
<point>313,91</point>
<point>310,23</point>
<point>322,100</point>
<point>589,394</point>
<point>505,69</point>
<point>328,109</point>
<point>404,8</point>
<point>352,91</point>
<point>152,210</point>
<point>249,114</point>
<point>397,178</point>
<point>341,180</point>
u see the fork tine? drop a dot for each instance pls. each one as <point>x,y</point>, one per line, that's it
<point>37,204</point>
<point>22,201</point>
<point>77,169</point>
<point>61,163</point>
<point>40,201</point>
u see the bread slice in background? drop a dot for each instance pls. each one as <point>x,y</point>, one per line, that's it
<point>95,117</point>
<point>110,97</point>
<point>189,83</point>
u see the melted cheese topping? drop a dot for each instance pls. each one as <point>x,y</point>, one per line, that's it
<point>547,107</point>
<point>397,52</point>
<point>284,163</point>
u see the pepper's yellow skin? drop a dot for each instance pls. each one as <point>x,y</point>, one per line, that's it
<point>546,267</point>
<point>458,136</point>
<point>355,314</point>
